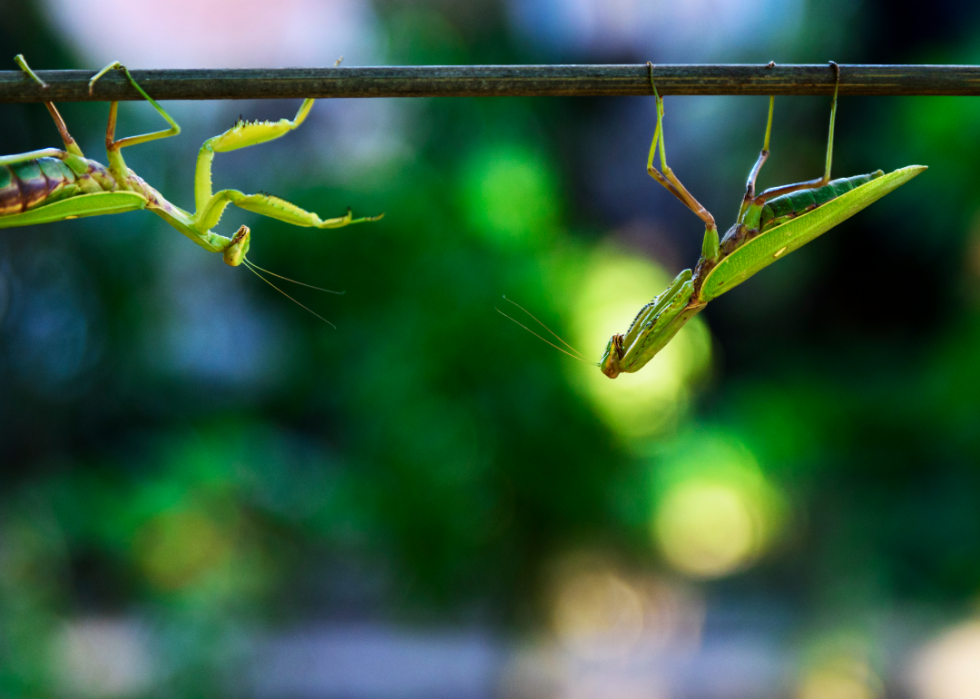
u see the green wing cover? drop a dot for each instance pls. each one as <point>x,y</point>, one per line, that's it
<point>97,204</point>
<point>778,242</point>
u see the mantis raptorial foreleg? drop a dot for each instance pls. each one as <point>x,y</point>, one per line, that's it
<point>653,309</point>
<point>242,135</point>
<point>211,205</point>
<point>658,321</point>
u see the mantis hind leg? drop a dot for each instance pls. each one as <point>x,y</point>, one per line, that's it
<point>667,178</point>
<point>66,137</point>
<point>810,184</point>
<point>672,183</point>
<point>32,155</point>
<point>112,145</point>
<point>116,163</point>
<point>763,156</point>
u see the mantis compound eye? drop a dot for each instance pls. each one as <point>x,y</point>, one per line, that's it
<point>610,365</point>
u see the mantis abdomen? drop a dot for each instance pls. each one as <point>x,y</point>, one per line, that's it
<point>30,183</point>
<point>781,209</point>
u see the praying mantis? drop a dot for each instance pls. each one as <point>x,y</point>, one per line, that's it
<point>769,226</point>
<point>50,184</point>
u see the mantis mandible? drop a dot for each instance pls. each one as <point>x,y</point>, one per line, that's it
<point>770,225</point>
<point>49,184</point>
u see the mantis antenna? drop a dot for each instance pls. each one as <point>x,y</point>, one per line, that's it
<point>308,286</point>
<point>254,270</point>
<point>578,355</point>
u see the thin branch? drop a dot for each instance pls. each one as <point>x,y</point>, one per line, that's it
<point>495,81</point>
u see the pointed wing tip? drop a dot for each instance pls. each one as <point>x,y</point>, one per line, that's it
<point>904,174</point>
<point>914,169</point>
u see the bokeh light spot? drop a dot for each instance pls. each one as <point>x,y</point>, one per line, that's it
<point>598,613</point>
<point>706,529</point>
<point>949,667</point>
<point>603,612</point>
<point>511,196</point>
<point>102,658</point>
<point>836,665</point>
<point>840,678</point>
<point>715,512</point>
<point>177,547</point>
<point>614,288</point>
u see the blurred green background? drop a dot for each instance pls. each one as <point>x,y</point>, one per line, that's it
<point>205,491</point>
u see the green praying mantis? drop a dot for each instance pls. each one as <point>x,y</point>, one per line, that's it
<point>50,184</point>
<point>770,225</point>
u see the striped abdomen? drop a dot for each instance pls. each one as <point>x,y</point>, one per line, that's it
<point>29,184</point>
<point>779,210</point>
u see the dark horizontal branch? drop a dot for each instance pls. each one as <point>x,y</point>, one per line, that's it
<point>495,81</point>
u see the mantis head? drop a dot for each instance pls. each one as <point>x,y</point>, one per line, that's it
<point>609,365</point>
<point>237,249</point>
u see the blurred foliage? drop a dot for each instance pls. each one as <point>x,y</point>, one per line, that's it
<point>181,443</point>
